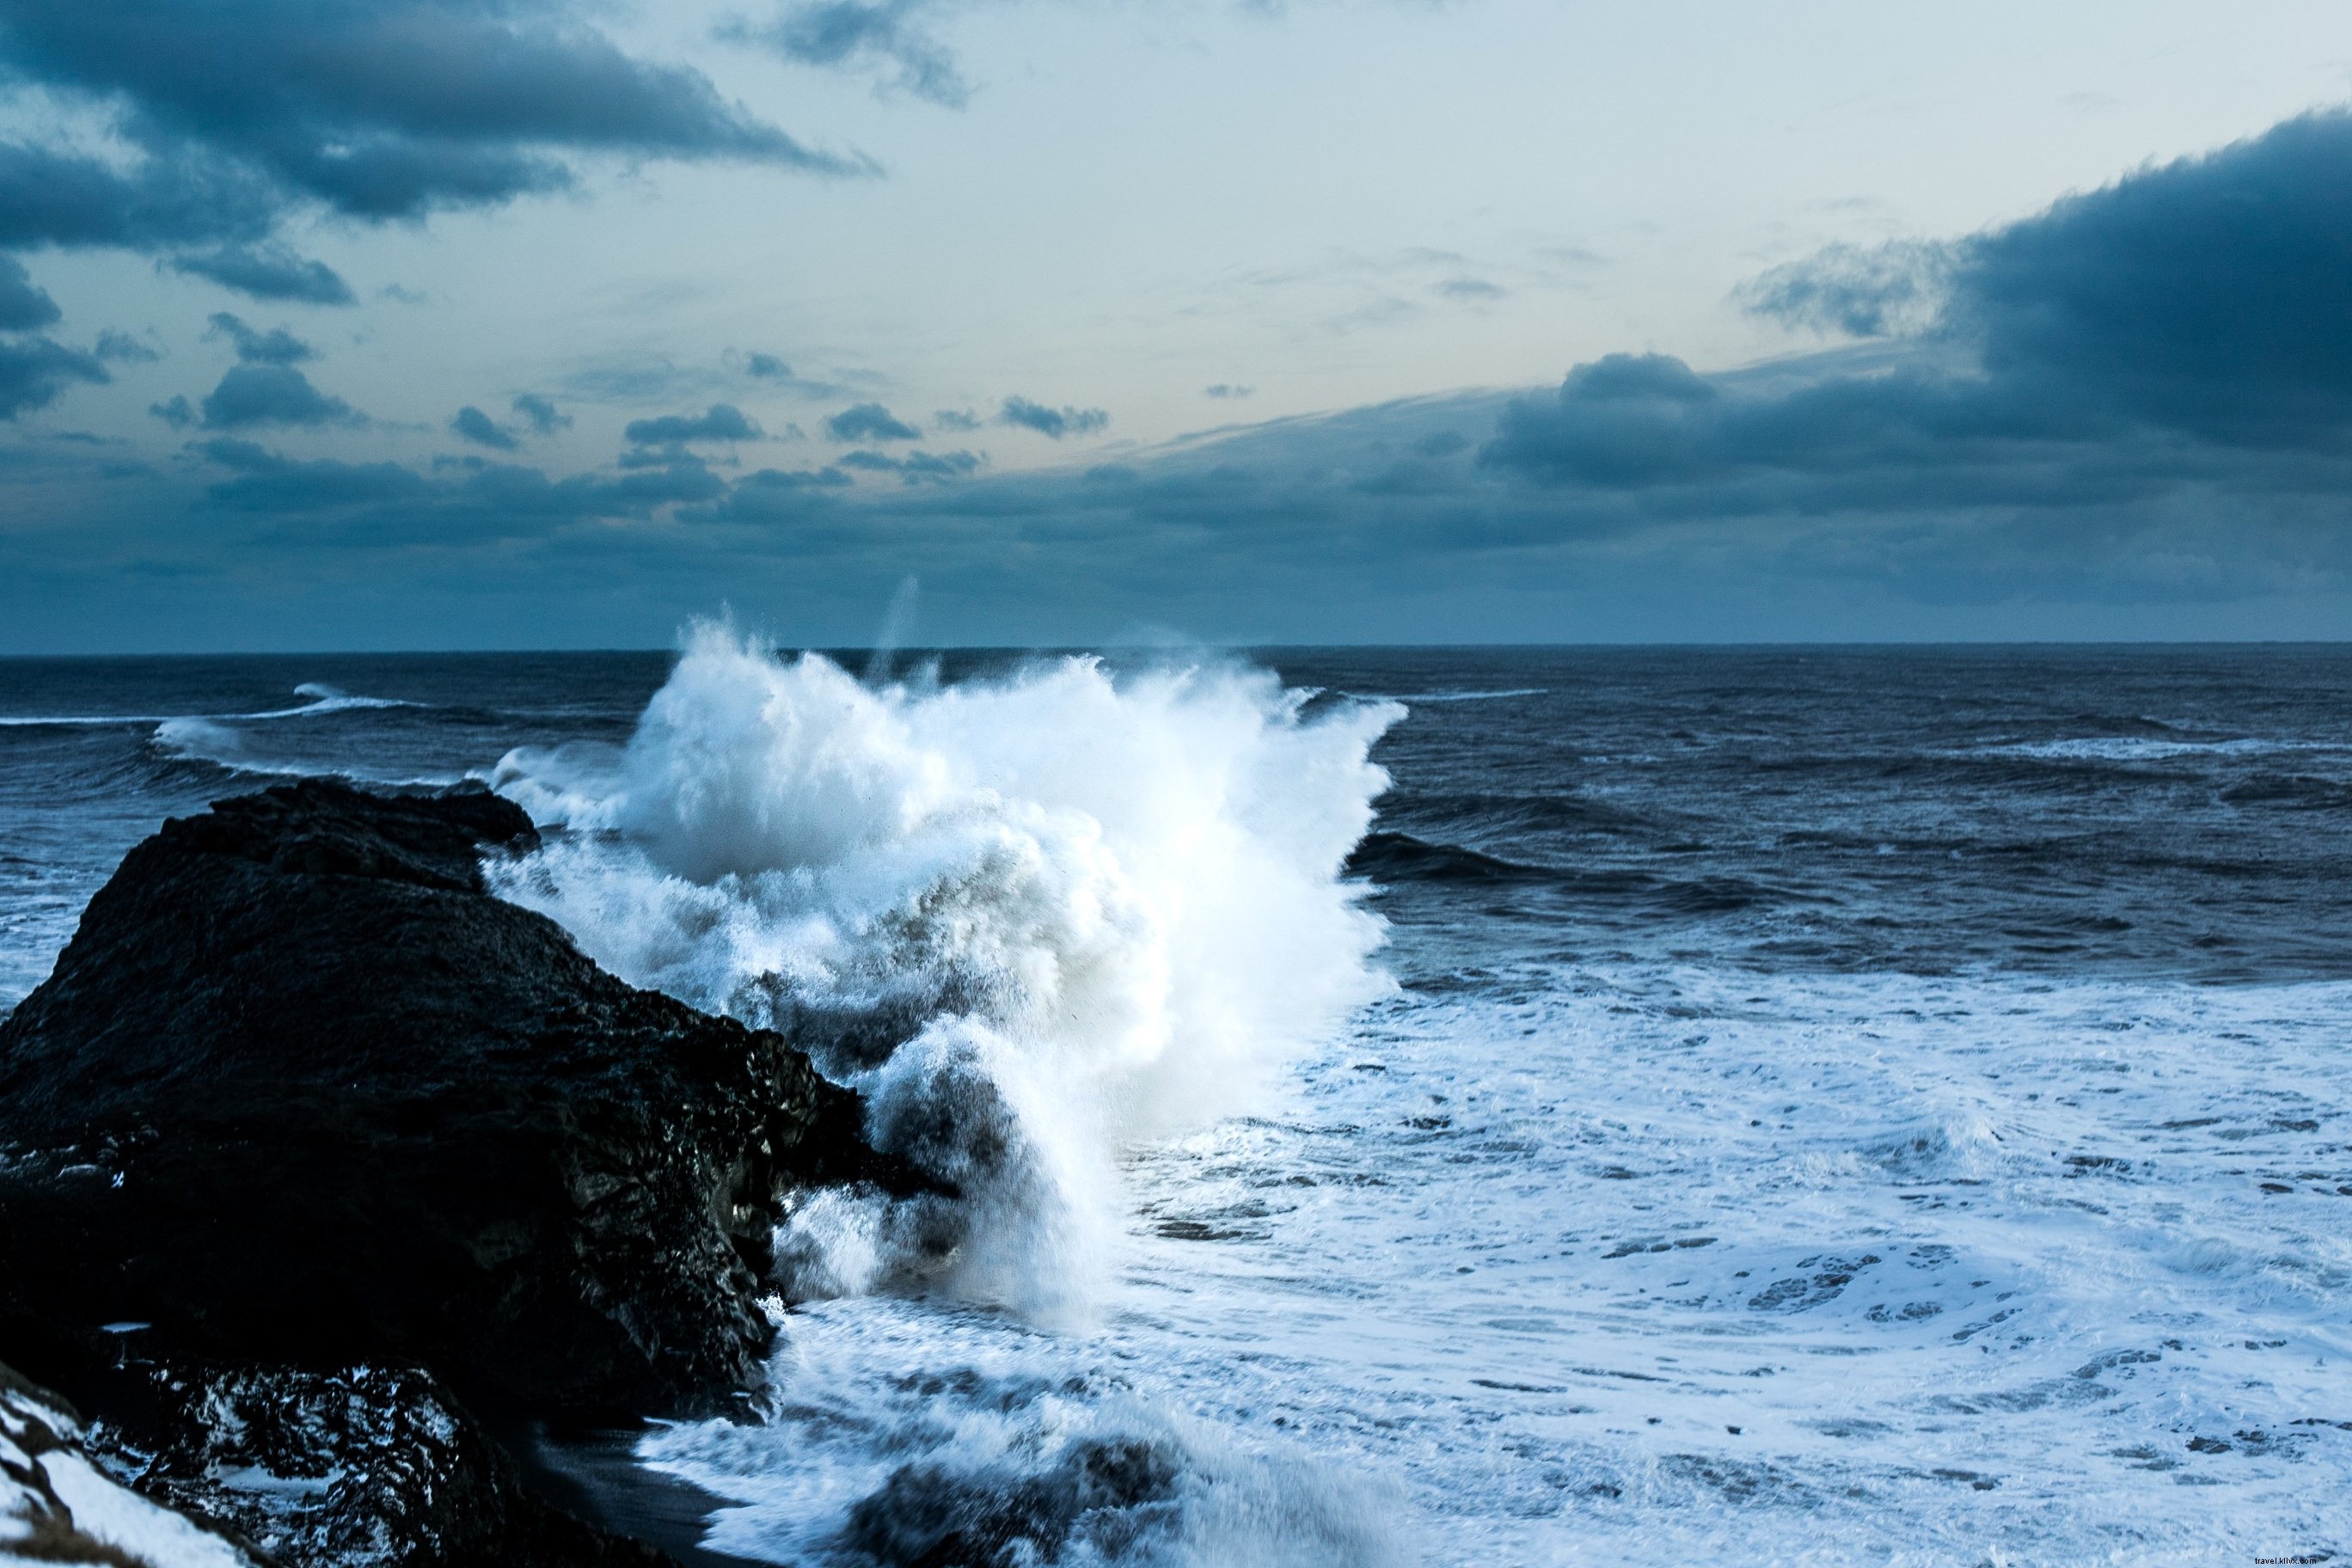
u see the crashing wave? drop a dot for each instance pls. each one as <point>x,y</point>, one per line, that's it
<point>1031,918</point>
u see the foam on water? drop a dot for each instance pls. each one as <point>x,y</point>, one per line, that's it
<point>1637,1265</point>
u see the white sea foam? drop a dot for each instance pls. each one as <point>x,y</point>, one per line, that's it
<point>873,1458</point>
<point>1035,918</point>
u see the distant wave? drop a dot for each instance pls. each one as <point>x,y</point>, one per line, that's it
<point>1449,696</point>
<point>2141,749</point>
<point>1387,856</point>
<point>324,700</point>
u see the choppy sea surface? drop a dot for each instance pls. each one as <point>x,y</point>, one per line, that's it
<point>1457,1107</point>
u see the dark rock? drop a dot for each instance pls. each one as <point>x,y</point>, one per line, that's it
<point>360,1467</point>
<point>60,1502</point>
<point>300,1092</point>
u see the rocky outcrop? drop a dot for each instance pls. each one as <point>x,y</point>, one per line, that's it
<point>364,1467</point>
<point>59,1503</point>
<point>301,1100</point>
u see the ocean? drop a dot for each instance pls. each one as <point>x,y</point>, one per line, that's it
<point>1450,1107</point>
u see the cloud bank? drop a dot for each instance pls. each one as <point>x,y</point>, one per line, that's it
<point>238,116</point>
<point>2133,409</point>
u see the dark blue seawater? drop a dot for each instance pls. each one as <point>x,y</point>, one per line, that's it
<point>1826,1104</point>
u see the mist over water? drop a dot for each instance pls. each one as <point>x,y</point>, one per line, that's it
<point>1510,1106</point>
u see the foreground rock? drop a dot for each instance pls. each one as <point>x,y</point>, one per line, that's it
<point>301,1098</point>
<point>367,1467</point>
<point>58,1503</point>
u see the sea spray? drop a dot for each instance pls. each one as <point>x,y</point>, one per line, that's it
<point>1033,916</point>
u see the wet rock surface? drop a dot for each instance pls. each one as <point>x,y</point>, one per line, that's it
<point>61,1503</point>
<point>304,1111</point>
<point>363,1468</point>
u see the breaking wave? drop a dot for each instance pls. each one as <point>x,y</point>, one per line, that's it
<point>1015,1454</point>
<point>1033,919</point>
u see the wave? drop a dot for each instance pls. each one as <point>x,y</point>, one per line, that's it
<point>1031,918</point>
<point>324,700</point>
<point>1387,856</point>
<point>2138,749</point>
<point>1409,696</point>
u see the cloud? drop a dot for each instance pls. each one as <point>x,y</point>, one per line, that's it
<point>471,424</point>
<point>1225,390</point>
<point>538,417</point>
<point>36,371</point>
<point>766,366</point>
<point>2129,415</point>
<point>956,419</point>
<point>1891,289</point>
<point>121,348</point>
<point>272,393</point>
<point>24,305</point>
<point>2185,327</point>
<point>267,272</point>
<point>870,422</point>
<point>276,346</point>
<point>539,414</point>
<point>721,422</point>
<point>235,117</point>
<point>268,481</point>
<point>465,501</point>
<point>175,412</point>
<point>2206,295</point>
<point>881,37</point>
<point>1053,422</point>
<point>1471,289</point>
<point>916,468</point>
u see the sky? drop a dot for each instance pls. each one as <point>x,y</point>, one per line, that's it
<point>541,323</point>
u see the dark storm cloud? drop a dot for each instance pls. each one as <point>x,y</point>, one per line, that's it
<point>870,422</point>
<point>721,422</point>
<point>2123,343</point>
<point>272,393</point>
<point>239,113</point>
<point>267,272</point>
<point>2209,295</point>
<point>1053,422</point>
<point>470,423</point>
<point>36,371</point>
<point>173,197</point>
<point>23,304</point>
<point>884,39</point>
